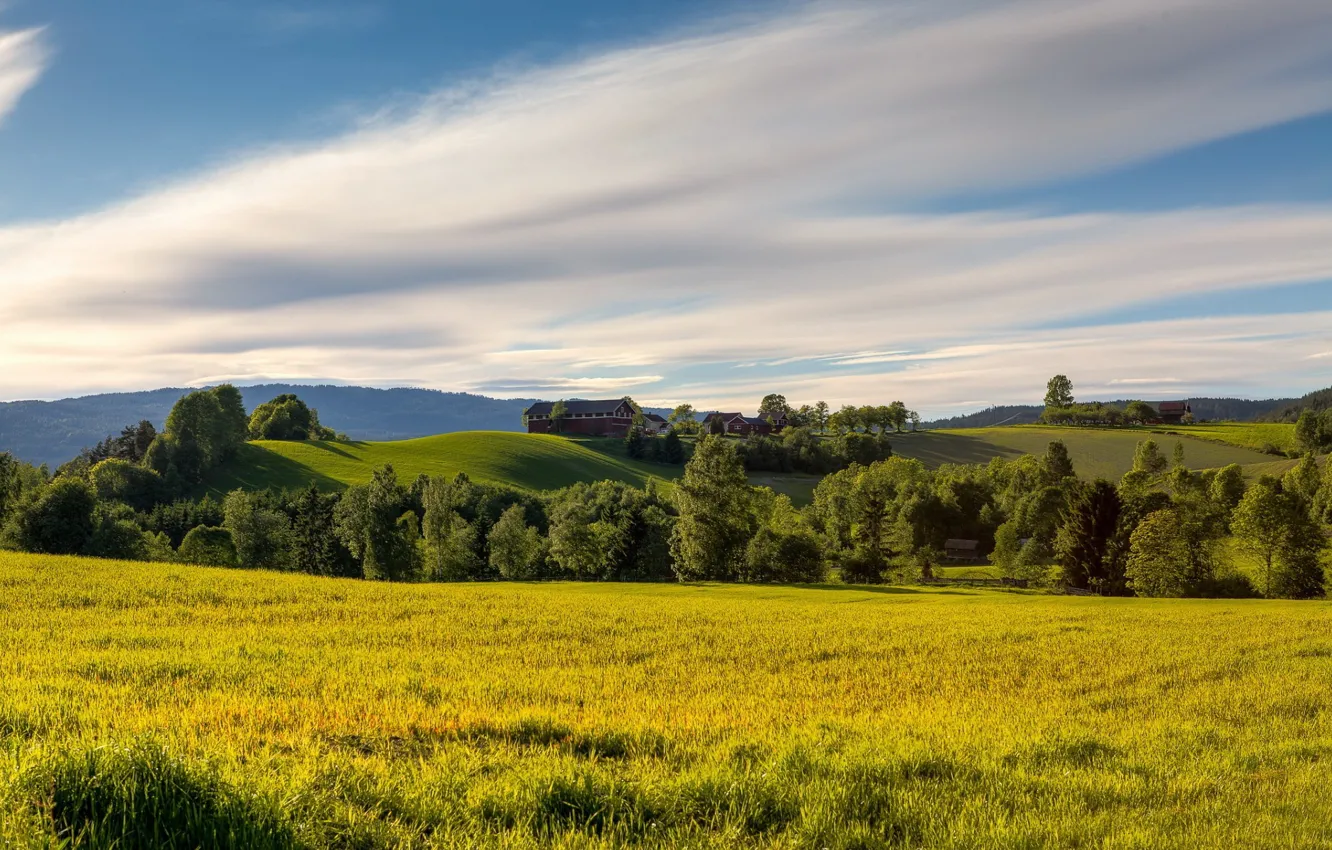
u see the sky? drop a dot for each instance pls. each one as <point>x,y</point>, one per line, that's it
<point>941,202</point>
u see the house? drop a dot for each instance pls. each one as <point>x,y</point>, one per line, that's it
<point>961,550</point>
<point>654,424</point>
<point>742,426</point>
<point>1172,412</point>
<point>597,418</point>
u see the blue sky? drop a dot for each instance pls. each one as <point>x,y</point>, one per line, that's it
<point>939,202</point>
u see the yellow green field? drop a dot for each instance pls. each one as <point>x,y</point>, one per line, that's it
<point>160,705</point>
<point>1096,452</point>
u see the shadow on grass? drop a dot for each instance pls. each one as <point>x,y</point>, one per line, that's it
<point>934,450</point>
<point>889,589</point>
<point>336,448</point>
<point>257,468</point>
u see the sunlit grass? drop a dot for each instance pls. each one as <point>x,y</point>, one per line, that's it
<point>296,711</point>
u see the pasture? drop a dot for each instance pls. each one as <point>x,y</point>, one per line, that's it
<point>1096,452</point>
<point>524,461</point>
<point>147,705</point>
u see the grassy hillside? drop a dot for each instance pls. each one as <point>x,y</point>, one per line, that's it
<point>527,461</point>
<point>171,706</point>
<point>1095,452</point>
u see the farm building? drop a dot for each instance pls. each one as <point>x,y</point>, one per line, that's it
<point>655,423</point>
<point>1172,412</point>
<point>961,550</point>
<point>597,418</point>
<point>743,426</point>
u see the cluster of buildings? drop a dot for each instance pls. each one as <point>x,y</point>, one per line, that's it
<point>612,417</point>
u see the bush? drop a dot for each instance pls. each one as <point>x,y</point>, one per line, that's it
<point>208,546</point>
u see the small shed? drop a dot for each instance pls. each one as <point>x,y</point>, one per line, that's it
<point>961,550</point>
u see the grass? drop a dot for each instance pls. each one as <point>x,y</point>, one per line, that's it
<point>1096,453</point>
<point>525,461</point>
<point>160,705</point>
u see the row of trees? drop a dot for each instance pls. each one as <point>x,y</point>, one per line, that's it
<point>1313,430</point>
<point>1062,409</point>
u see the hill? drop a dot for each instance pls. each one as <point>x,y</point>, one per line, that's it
<point>1096,453</point>
<point>163,705</point>
<point>526,461</point>
<point>1317,401</point>
<point>1210,409</point>
<point>52,432</point>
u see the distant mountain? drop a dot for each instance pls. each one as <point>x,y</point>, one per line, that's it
<point>52,432</point>
<point>1227,409</point>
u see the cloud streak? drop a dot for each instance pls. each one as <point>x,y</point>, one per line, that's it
<point>665,211</point>
<point>23,57</point>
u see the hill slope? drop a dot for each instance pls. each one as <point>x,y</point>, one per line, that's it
<point>1096,453</point>
<point>527,461</point>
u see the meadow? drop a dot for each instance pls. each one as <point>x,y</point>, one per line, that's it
<point>525,461</point>
<point>146,705</point>
<point>1098,452</point>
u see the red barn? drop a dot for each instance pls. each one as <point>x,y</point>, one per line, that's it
<point>743,426</point>
<point>1172,412</point>
<point>597,418</point>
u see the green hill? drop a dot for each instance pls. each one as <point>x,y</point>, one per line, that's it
<point>1095,452</point>
<point>527,461</point>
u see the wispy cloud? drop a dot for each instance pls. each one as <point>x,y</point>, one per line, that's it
<point>682,206</point>
<point>23,57</point>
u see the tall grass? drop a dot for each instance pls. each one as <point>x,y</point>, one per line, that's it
<point>165,706</point>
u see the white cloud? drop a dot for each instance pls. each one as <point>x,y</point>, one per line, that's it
<point>23,57</point>
<point>645,213</point>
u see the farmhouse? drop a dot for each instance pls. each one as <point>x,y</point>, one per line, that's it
<point>597,418</point>
<point>654,424</point>
<point>961,550</point>
<point>735,423</point>
<point>1172,412</point>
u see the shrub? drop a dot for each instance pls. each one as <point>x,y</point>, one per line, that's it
<point>208,546</point>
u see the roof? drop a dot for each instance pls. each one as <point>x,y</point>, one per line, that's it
<point>961,544</point>
<point>1173,407</point>
<point>726,417</point>
<point>604,405</point>
<point>654,417</point>
<point>753,420</point>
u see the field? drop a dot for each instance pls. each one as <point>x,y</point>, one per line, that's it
<point>1096,453</point>
<point>525,461</point>
<point>176,706</point>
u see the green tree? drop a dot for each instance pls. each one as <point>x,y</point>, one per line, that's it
<point>672,448</point>
<point>683,419</point>
<point>1083,545</point>
<point>1227,488</point>
<point>1059,392</point>
<point>1303,479</point>
<point>287,418</point>
<point>1166,559</point>
<point>208,546</point>
<point>122,481</point>
<point>1148,459</point>
<point>315,547</point>
<point>369,520</point>
<point>1056,465</point>
<point>773,407</point>
<point>1139,412</point>
<point>59,522</point>
<point>516,548</point>
<point>261,534</point>
<point>715,522</point>
<point>559,411</point>
<point>1309,431</point>
<point>821,416</point>
<point>897,415</point>
<point>1261,523</point>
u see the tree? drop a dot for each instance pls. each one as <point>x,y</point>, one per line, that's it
<point>1059,392</point>
<point>1303,479</point>
<point>1261,523</point>
<point>821,416</point>
<point>1147,458</point>
<point>1083,545</point>
<point>715,522</point>
<point>1139,412</point>
<point>897,416</point>
<point>208,546</point>
<point>1165,559</point>
<point>261,534</point>
<point>1227,488</point>
<point>213,420</point>
<point>370,520</point>
<point>1056,465</point>
<point>59,521</point>
<point>1309,431</point>
<point>683,419</point>
<point>773,407</point>
<point>122,481</point>
<point>672,449</point>
<point>287,418</point>
<point>450,546</point>
<point>315,548</point>
<point>559,411</point>
<point>915,420</point>
<point>516,548</point>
